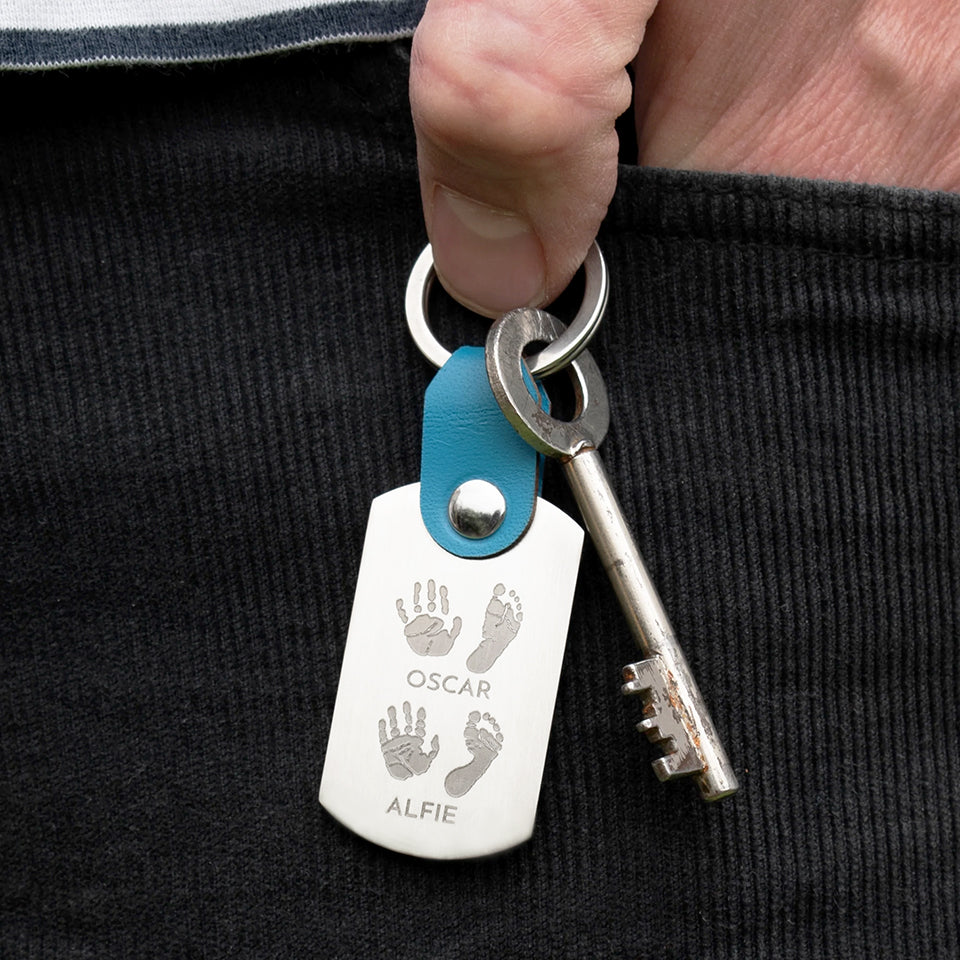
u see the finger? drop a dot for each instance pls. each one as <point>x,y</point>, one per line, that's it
<point>434,747</point>
<point>401,611</point>
<point>514,109</point>
<point>416,598</point>
<point>455,629</point>
<point>421,722</point>
<point>431,596</point>
<point>407,718</point>
<point>392,717</point>
<point>444,606</point>
<point>383,731</point>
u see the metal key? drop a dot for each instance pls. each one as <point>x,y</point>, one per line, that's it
<point>675,715</point>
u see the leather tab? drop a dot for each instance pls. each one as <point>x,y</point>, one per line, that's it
<point>467,437</point>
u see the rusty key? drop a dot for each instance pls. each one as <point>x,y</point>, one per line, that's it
<point>675,715</point>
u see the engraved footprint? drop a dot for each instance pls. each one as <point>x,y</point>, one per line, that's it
<point>429,635</point>
<point>484,745</point>
<point>501,623</point>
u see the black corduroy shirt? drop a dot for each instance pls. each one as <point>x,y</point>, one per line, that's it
<point>205,377</point>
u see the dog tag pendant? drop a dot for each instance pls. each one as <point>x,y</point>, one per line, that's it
<point>453,654</point>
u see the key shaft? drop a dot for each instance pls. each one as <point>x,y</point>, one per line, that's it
<point>645,614</point>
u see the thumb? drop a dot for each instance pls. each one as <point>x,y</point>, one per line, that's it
<point>514,103</point>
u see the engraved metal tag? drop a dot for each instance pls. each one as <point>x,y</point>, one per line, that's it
<point>448,684</point>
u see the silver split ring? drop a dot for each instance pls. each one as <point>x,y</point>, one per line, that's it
<point>556,355</point>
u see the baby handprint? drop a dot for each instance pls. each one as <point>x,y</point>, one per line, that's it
<point>427,634</point>
<point>403,752</point>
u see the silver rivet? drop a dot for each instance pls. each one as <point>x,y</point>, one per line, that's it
<point>476,509</point>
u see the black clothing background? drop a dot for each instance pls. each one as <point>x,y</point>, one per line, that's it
<point>205,379</point>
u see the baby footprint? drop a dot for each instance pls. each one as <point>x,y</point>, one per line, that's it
<point>501,623</point>
<point>484,745</point>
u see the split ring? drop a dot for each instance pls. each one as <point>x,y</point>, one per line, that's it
<point>552,357</point>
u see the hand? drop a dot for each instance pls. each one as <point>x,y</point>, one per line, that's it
<point>865,90</point>
<point>403,752</point>
<point>427,634</point>
<point>514,105</point>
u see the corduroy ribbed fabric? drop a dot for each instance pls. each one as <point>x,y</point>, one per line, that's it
<point>204,379</point>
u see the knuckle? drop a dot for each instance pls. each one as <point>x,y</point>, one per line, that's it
<point>521,86</point>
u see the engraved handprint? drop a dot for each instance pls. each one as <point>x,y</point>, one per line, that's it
<point>403,752</point>
<point>427,634</point>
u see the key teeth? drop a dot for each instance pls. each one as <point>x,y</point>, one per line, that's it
<point>662,769</point>
<point>642,676</point>
<point>667,742</point>
<point>635,686</point>
<point>662,723</point>
<point>677,765</point>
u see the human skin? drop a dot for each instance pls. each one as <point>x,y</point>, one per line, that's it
<point>514,104</point>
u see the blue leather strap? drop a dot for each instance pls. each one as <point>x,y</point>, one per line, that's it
<point>466,437</point>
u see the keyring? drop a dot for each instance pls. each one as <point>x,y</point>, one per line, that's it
<point>552,357</point>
